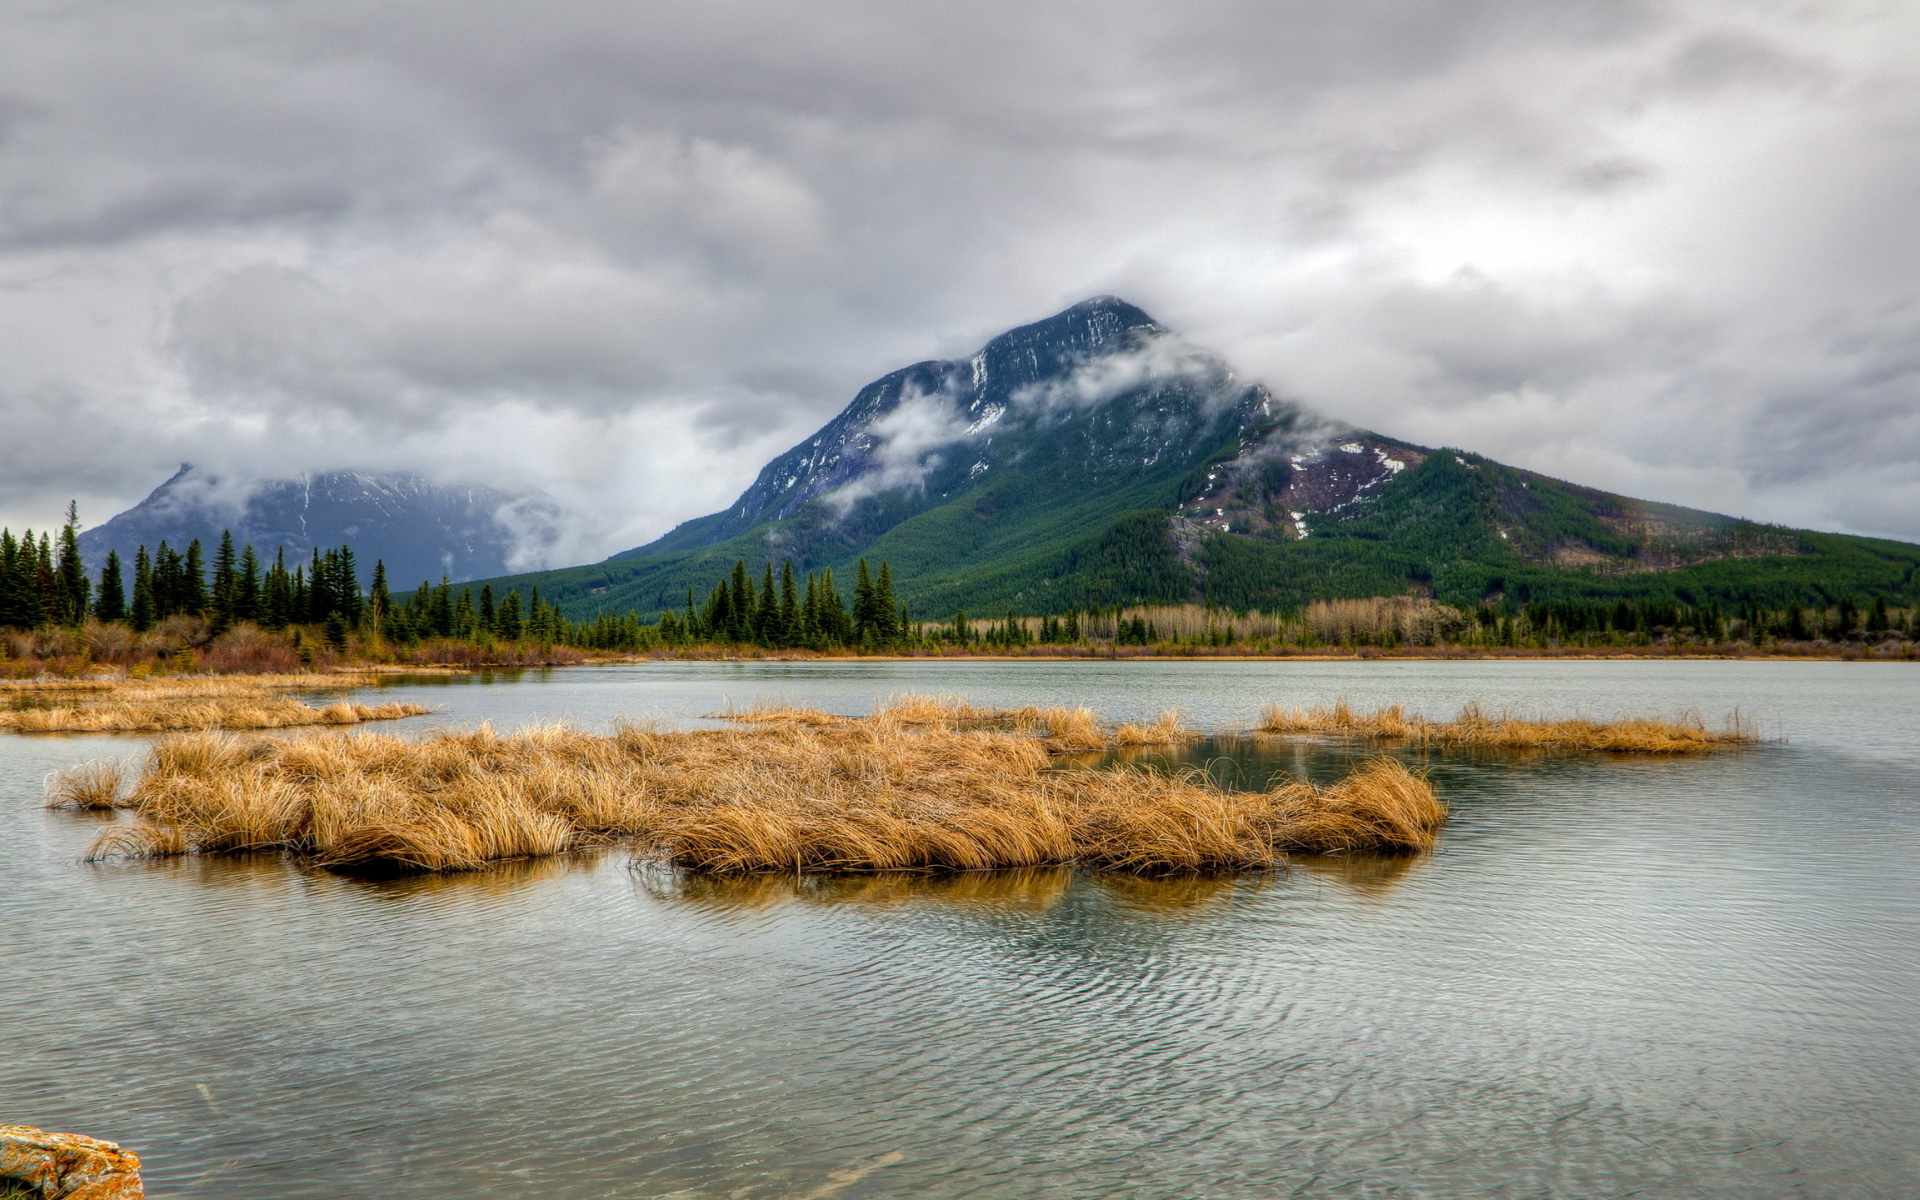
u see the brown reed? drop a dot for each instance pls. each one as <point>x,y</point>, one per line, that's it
<point>90,785</point>
<point>1474,729</point>
<point>1061,729</point>
<point>144,705</point>
<point>794,792</point>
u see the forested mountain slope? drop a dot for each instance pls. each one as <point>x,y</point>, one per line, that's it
<point>1095,458</point>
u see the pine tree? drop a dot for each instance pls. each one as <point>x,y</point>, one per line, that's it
<point>511,627</point>
<point>442,611</point>
<point>834,621</point>
<point>466,622</point>
<point>862,604</point>
<point>226,589</point>
<point>52,597</point>
<point>163,582</point>
<point>246,586</point>
<point>887,621</point>
<point>112,602</point>
<point>299,597</point>
<point>766,612</point>
<point>346,587</point>
<point>740,613</point>
<point>73,582</point>
<point>193,582</point>
<point>320,603</point>
<point>537,619</point>
<point>379,599</point>
<point>811,634</point>
<point>276,603</point>
<point>488,616</point>
<point>789,619</point>
<point>11,593</point>
<point>142,615</point>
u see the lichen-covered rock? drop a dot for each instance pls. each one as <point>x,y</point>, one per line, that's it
<point>66,1166</point>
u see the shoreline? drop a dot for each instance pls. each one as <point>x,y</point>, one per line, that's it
<point>364,674</point>
<point>1370,654</point>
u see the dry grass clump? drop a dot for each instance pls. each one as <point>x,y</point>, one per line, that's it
<point>91,785</point>
<point>1062,730</point>
<point>1474,729</point>
<point>144,705</point>
<point>792,795</point>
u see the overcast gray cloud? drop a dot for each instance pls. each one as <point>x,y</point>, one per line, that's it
<point>626,253</point>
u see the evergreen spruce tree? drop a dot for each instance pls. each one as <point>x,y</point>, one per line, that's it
<point>226,588</point>
<point>112,602</point>
<point>246,586</point>
<point>466,622</point>
<point>488,616</point>
<point>835,624</point>
<point>789,619</point>
<point>319,590</point>
<point>12,594</point>
<point>443,607</point>
<point>193,582</point>
<point>74,585</point>
<point>740,611</point>
<point>47,587</point>
<point>537,621</point>
<point>299,597</point>
<point>346,587</point>
<point>863,606</point>
<point>142,615</point>
<point>276,602</point>
<point>715,614</point>
<point>766,611</point>
<point>380,599</point>
<point>886,617</point>
<point>511,626</point>
<point>163,582</point>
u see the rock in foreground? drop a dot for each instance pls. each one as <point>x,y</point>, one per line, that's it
<point>66,1166</point>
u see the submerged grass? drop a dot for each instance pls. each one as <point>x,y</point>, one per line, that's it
<point>792,791</point>
<point>149,705</point>
<point>1474,729</point>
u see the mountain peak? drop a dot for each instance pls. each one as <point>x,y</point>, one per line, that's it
<point>1098,389</point>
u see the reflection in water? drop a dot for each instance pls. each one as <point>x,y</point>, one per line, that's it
<point>1028,889</point>
<point>1370,875</point>
<point>1178,895</point>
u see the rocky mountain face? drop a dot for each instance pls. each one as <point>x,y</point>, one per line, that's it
<point>420,529</point>
<point>1098,397</point>
<point>1096,458</point>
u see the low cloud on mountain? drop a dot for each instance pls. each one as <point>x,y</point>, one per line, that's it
<point>627,254</point>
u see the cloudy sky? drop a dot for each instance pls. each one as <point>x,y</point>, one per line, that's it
<point>626,252</point>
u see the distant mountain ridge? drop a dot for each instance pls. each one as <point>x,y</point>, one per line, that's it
<point>420,529</point>
<point>1096,458</point>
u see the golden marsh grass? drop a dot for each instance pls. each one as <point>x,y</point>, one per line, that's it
<point>1474,729</point>
<point>163,705</point>
<point>790,791</point>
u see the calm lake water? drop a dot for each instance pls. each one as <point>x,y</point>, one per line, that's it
<point>1616,977</point>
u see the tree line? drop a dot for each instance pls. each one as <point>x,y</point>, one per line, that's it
<point>43,582</point>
